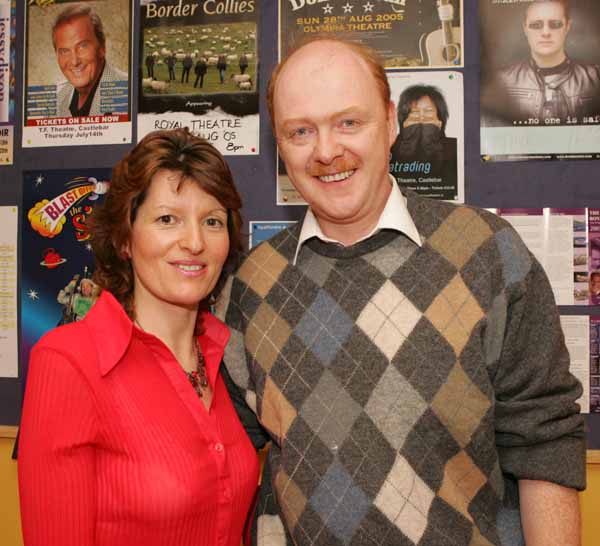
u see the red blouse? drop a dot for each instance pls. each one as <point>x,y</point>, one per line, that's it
<point>116,448</point>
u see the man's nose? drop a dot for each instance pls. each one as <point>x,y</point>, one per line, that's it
<point>327,147</point>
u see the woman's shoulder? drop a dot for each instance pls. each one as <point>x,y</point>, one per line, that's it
<point>68,339</point>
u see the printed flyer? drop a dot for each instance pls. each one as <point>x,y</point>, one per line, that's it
<point>7,79</point>
<point>540,80</point>
<point>406,34</point>
<point>9,361</point>
<point>56,270</point>
<point>577,330</point>
<point>594,364</point>
<point>77,73</point>
<point>558,239</point>
<point>262,230</point>
<point>199,69</point>
<point>428,155</point>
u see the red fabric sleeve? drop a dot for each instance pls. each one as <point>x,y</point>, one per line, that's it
<point>56,466</point>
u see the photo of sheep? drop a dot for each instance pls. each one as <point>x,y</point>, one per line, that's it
<point>199,59</point>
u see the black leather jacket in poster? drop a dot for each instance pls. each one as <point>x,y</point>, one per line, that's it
<point>523,91</point>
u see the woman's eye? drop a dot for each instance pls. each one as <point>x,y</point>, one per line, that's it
<point>166,219</point>
<point>214,222</point>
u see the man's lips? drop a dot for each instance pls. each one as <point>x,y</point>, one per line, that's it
<point>336,177</point>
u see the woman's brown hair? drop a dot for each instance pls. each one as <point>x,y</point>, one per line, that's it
<point>178,151</point>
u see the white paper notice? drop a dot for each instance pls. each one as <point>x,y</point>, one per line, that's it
<point>577,337</point>
<point>8,292</point>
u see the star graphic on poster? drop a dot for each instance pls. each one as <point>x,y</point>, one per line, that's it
<point>32,295</point>
<point>39,179</point>
<point>347,7</point>
<point>88,247</point>
<point>368,7</point>
<point>327,9</point>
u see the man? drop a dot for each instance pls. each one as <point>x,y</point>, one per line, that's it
<point>549,87</point>
<point>423,156</point>
<point>222,66</point>
<point>200,70</point>
<point>170,61</point>
<point>80,46</point>
<point>187,66</point>
<point>404,354</point>
<point>149,60</point>
<point>243,62</point>
<point>595,288</point>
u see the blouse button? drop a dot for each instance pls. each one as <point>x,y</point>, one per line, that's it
<point>218,448</point>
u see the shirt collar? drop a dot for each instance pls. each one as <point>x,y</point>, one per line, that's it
<point>395,216</point>
<point>111,331</point>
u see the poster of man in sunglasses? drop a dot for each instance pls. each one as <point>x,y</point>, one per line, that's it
<point>544,71</point>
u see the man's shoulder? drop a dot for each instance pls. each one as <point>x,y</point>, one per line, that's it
<point>112,73</point>
<point>429,215</point>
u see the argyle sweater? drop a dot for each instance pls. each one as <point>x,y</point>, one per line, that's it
<point>404,387</point>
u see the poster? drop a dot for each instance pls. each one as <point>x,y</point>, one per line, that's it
<point>409,34</point>
<point>558,239</point>
<point>56,270</point>
<point>199,69</point>
<point>428,155</point>
<point>9,363</point>
<point>540,80</point>
<point>7,79</point>
<point>262,230</point>
<point>576,329</point>
<point>77,73</point>
<point>594,341</point>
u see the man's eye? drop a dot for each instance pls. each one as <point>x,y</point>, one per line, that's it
<point>555,24</point>
<point>300,132</point>
<point>349,123</point>
<point>536,25</point>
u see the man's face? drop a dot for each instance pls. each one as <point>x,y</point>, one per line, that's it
<point>422,111</point>
<point>595,284</point>
<point>546,29</point>
<point>79,54</point>
<point>334,134</point>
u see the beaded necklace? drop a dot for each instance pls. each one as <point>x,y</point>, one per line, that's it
<point>197,377</point>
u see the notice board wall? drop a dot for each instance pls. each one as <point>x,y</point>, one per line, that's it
<point>505,184</point>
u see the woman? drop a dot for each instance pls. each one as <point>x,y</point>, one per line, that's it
<point>128,436</point>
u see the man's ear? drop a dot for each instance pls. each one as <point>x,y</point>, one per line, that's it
<point>392,122</point>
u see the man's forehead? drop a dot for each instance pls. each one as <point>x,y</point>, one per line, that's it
<point>539,10</point>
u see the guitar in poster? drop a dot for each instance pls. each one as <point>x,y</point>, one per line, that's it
<point>199,69</point>
<point>57,266</point>
<point>405,33</point>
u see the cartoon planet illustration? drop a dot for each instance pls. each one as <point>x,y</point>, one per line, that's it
<point>52,259</point>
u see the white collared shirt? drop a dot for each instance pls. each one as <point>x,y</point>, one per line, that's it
<point>395,216</point>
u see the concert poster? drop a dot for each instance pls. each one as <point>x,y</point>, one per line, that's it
<point>199,69</point>
<point>406,34</point>
<point>56,270</point>
<point>540,80</point>
<point>7,79</point>
<point>428,154</point>
<point>74,96</point>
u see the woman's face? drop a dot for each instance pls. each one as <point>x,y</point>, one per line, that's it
<point>179,243</point>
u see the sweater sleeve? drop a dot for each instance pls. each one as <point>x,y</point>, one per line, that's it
<point>56,467</point>
<point>539,429</point>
